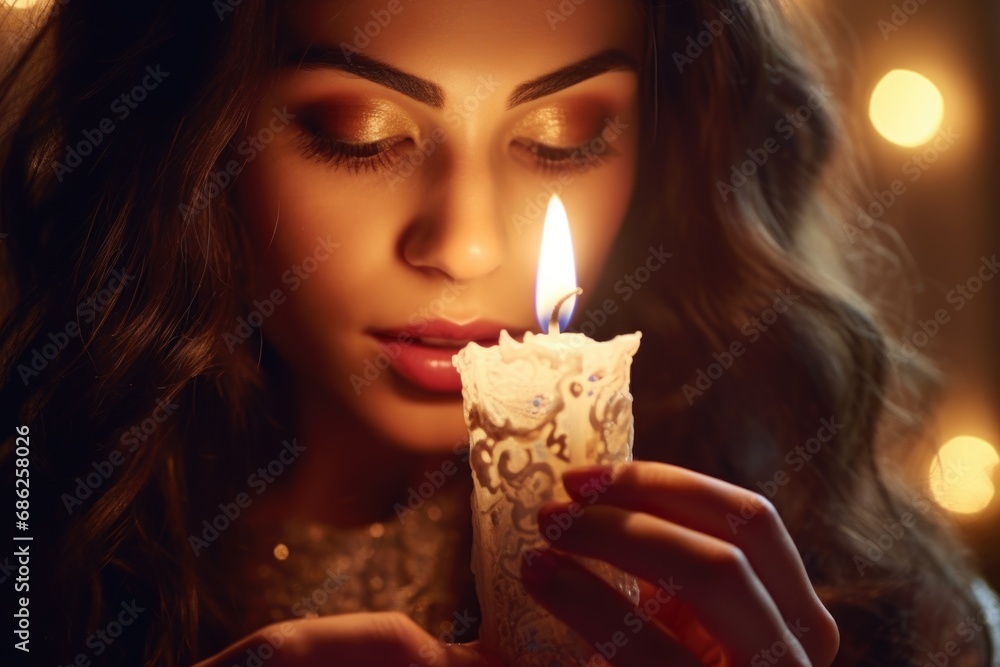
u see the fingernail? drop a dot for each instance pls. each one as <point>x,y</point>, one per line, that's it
<point>585,480</point>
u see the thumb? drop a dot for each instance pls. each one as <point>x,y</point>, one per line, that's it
<point>383,638</point>
<point>476,647</point>
<point>461,655</point>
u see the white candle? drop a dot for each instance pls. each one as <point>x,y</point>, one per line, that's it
<point>533,409</point>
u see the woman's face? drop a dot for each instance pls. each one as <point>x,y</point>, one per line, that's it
<point>398,172</point>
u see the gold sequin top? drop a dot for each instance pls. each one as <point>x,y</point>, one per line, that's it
<point>417,562</point>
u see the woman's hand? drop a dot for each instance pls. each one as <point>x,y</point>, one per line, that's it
<point>721,582</point>
<point>346,640</point>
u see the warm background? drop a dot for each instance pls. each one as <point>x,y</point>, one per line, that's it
<point>946,214</point>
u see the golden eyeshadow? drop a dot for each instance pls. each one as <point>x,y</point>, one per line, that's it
<point>364,123</point>
<point>556,126</point>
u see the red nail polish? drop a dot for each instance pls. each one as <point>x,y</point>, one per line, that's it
<point>588,480</point>
<point>538,568</point>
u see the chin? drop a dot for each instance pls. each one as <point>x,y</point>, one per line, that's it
<point>412,420</point>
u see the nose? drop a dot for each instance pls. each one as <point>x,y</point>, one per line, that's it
<point>460,231</point>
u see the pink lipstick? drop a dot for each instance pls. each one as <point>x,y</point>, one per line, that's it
<point>421,353</point>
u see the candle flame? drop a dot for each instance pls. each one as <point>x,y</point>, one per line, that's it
<point>556,268</point>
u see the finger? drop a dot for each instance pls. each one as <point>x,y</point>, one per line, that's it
<point>389,638</point>
<point>598,613</point>
<point>353,640</point>
<point>712,575</point>
<point>491,659</point>
<point>727,512</point>
<point>679,618</point>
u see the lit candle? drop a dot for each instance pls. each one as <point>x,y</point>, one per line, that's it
<point>533,409</point>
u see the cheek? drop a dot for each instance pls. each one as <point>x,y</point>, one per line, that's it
<point>325,248</point>
<point>291,206</point>
<point>603,203</point>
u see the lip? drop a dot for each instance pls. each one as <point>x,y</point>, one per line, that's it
<point>429,366</point>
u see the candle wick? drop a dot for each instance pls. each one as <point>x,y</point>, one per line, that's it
<point>554,322</point>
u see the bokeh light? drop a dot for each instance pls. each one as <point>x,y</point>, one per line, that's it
<point>906,108</point>
<point>961,475</point>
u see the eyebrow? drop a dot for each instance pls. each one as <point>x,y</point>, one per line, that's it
<point>373,70</point>
<point>431,94</point>
<point>600,63</point>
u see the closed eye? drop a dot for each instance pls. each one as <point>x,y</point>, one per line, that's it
<point>560,158</point>
<point>316,143</point>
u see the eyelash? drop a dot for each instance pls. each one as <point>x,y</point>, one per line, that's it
<point>383,155</point>
<point>356,158</point>
<point>552,159</point>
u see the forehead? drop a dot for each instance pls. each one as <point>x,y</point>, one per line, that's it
<point>451,40</point>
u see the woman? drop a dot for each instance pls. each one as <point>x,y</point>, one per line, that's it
<point>243,205</point>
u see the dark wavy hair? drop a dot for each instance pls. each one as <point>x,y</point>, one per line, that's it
<point>135,208</point>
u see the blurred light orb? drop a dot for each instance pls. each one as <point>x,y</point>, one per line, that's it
<point>906,108</point>
<point>25,4</point>
<point>960,475</point>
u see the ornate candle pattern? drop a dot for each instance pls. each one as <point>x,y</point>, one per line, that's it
<point>533,409</point>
